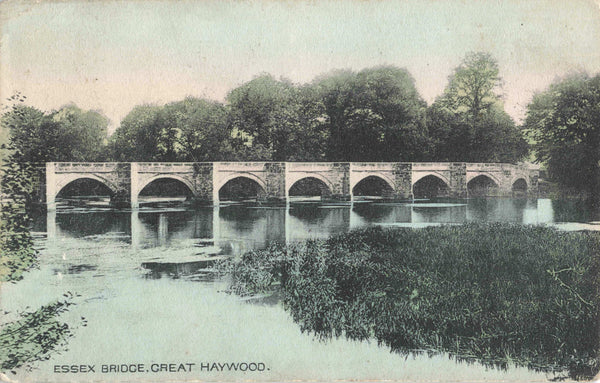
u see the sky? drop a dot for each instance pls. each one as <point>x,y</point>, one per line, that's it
<point>113,55</point>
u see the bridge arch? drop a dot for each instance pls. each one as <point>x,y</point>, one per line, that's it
<point>304,175</point>
<point>176,177</point>
<point>324,188</point>
<point>420,175</point>
<point>259,182</point>
<point>222,181</point>
<point>381,176</point>
<point>482,184</point>
<point>472,175</point>
<point>377,177</point>
<point>519,184</point>
<point>519,176</point>
<point>431,185</point>
<point>65,180</point>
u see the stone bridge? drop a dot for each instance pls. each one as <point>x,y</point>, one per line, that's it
<point>275,180</point>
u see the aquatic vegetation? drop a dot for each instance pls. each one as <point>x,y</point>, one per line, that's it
<point>496,294</point>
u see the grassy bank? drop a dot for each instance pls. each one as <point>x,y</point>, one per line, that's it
<point>495,294</point>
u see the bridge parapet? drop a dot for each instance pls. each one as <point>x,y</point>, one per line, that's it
<point>368,166</point>
<point>431,166</point>
<point>313,166</point>
<point>84,167</point>
<point>157,167</point>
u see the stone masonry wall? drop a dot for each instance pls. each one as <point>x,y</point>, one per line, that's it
<point>203,181</point>
<point>458,179</point>
<point>403,180</point>
<point>275,180</point>
<point>122,180</point>
<point>340,180</point>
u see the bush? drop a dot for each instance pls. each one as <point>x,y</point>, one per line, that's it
<point>35,336</point>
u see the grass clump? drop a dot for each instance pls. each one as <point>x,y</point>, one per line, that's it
<point>496,294</point>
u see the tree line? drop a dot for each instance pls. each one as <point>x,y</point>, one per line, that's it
<point>375,114</point>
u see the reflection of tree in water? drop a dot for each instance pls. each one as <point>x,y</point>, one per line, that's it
<point>376,212</point>
<point>480,209</point>
<point>97,223</point>
<point>574,211</point>
<point>31,336</point>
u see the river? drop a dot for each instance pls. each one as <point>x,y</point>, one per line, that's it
<point>148,299</point>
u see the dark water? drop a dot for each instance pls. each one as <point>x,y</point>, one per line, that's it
<point>247,226</point>
<point>148,296</point>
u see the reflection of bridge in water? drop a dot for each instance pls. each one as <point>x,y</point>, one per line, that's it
<point>274,181</point>
<point>243,227</point>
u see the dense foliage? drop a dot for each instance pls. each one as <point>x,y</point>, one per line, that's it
<point>564,124</point>
<point>192,130</point>
<point>16,243</point>
<point>35,335</point>
<point>468,122</point>
<point>17,187</point>
<point>497,294</point>
<point>68,134</point>
<point>375,114</point>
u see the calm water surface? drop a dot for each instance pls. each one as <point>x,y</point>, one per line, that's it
<point>148,297</point>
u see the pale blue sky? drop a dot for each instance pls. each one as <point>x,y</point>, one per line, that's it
<point>112,56</point>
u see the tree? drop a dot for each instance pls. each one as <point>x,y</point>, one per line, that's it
<point>265,112</point>
<point>373,115</point>
<point>468,122</point>
<point>83,133</point>
<point>189,130</point>
<point>389,107</point>
<point>136,138</point>
<point>69,134</point>
<point>564,124</point>
<point>472,87</point>
<point>201,130</point>
<point>335,92</point>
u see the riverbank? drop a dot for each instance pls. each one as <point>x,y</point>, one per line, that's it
<point>495,294</point>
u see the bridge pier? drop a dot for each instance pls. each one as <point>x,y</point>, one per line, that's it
<point>51,191</point>
<point>458,180</point>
